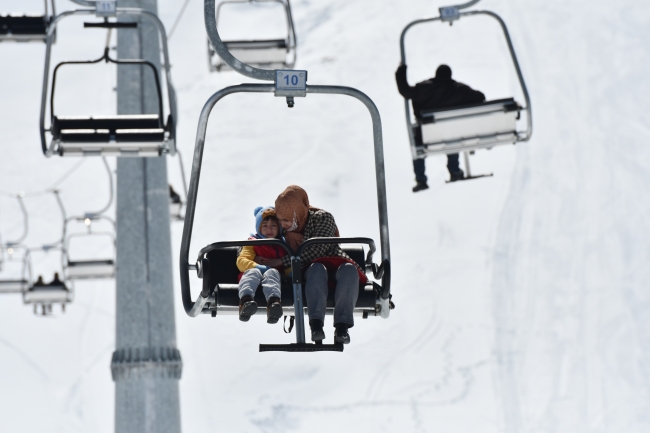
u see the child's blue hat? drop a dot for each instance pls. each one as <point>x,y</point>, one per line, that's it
<point>261,213</point>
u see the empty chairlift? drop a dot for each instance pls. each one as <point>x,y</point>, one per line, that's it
<point>215,263</point>
<point>24,27</point>
<point>102,267</point>
<point>114,135</point>
<point>262,53</point>
<point>473,126</point>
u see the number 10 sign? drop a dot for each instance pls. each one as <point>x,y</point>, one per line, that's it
<point>290,80</point>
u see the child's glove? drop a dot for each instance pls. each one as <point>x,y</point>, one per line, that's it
<point>262,268</point>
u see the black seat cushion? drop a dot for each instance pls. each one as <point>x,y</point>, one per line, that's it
<point>222,274</point>
<point>109,124</point>
<point>254,45</point>
<point>22,25</point>
<point>508,104</point>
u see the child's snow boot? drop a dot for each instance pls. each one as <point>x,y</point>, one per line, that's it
<point>273,310</point>
<point>247,307</point>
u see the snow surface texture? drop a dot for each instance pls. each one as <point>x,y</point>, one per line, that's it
<point>522,300</point>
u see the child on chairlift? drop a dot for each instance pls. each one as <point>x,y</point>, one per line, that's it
<point>253,273</point>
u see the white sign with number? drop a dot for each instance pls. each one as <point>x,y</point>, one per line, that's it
<point>290,80</point>
<point>449,13</point>
<point>106,8</point>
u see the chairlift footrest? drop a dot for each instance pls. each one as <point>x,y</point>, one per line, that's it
<point>470,178</point>
<point>301,347</point>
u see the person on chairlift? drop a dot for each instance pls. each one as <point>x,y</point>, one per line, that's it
<point>254,273</point>
<point>440,91</point>
<point>173,195</point>
<point>322,263</point>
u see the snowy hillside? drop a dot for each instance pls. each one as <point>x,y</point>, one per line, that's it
<point>522,299</point>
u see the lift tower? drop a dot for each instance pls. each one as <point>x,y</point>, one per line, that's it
<point>146,364</point>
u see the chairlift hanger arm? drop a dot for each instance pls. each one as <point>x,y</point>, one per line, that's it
<point>25,232</point>
<point>210,18</point>
<point>110,192</point>
<point>171,93</point>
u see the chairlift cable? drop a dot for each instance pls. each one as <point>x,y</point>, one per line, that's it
<point>47,190</point>
<point>178,19</point>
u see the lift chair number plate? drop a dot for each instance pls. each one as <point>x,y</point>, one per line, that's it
<point>106,8</point>
<point>449,13</point>
<point>290,80</point>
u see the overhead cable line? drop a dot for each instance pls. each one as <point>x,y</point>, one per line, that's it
<point>178,19</point>
<point>46,190</point>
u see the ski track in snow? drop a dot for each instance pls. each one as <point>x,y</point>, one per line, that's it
<point>522,299</point>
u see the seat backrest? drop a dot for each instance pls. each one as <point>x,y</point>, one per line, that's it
<point>24,24</point>
<point>223,263</point>
<point>223,266</point>
<point>112,123</point>
<point>465,110</point>
<point>255,45</point>
<point>356,253</point>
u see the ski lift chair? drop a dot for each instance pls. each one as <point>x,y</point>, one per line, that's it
<point>45,295</point>
<point>263,53</point>
<point>469,127</point>
<point>215,263</point>
<point>15,254</point>
<point>103,268</point>
<point>26,28</point>
<point>141,135</point>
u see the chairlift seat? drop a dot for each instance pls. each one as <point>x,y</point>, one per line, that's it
<point>223,279</point>
<point>91,269</point>
<point>140,135</point>
<point>271,53</point>
<point>23,28</point>
<point>13,286</point>
<point>175,209</point>
<point>469,127</point>
<point>47,294</point>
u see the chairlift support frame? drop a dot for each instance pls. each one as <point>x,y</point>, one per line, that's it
<point>251,48</point>
<point>111,147</point>
<point>382,272</point>
<point>467,144</point>
<point>26,28</point>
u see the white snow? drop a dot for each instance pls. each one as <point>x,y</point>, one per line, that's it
<point>522,299</point>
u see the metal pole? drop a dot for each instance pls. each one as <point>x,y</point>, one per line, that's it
<point>146,365</point>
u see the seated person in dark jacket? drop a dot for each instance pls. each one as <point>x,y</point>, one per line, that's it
<point>438,92</point>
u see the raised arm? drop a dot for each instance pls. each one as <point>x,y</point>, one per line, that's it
<point>402,83</point>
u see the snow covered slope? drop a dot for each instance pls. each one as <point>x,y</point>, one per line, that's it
<point>522,299</point>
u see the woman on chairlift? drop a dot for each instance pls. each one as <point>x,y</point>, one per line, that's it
<point>323,263</point>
